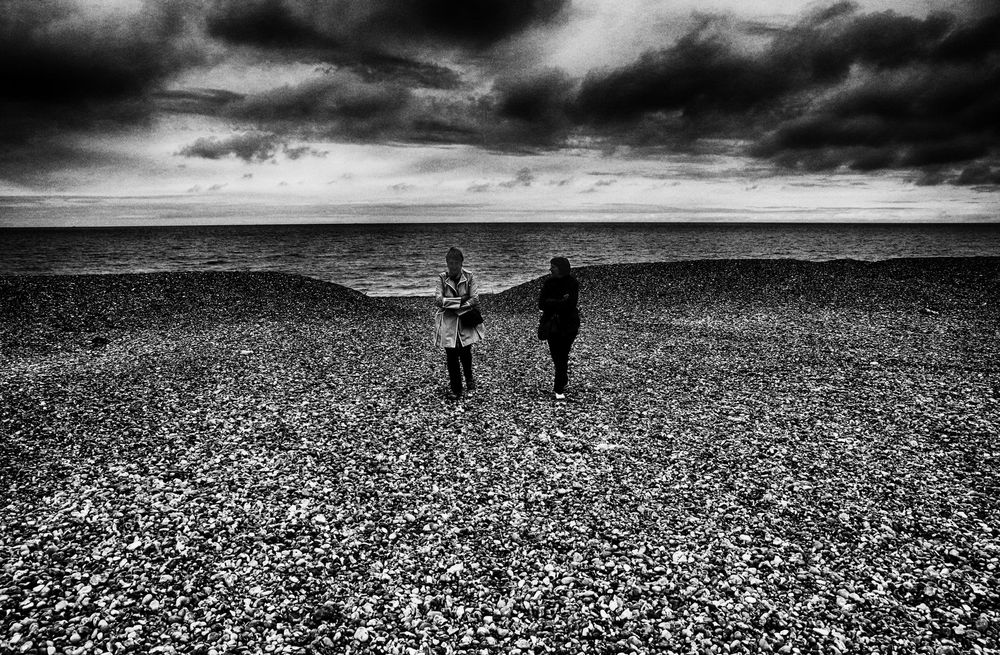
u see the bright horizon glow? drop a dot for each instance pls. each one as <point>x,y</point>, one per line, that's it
<point>96,211</point>
<point>403,183</point>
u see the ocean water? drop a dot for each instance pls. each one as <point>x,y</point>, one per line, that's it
<point>403,259</point>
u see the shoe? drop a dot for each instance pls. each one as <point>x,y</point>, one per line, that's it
<point>560,396</point>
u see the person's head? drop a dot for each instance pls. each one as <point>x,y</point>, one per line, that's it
<point>559,267</point>
<point>455,258</point>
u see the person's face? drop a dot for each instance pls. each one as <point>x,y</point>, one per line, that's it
<point>454,266</point>
<point>555,271</point>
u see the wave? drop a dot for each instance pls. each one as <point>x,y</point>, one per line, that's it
<point>275,256</point>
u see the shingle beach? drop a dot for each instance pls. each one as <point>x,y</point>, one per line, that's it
<point>755,456</point>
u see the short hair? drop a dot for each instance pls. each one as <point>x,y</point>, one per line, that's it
<point>455,253</point>
<point>562,264</point>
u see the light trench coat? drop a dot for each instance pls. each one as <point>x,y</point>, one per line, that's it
<point>447,328</point>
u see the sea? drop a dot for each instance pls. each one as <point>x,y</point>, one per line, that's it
<point>403,259</point>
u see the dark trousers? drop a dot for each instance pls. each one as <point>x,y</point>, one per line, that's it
<point>559,349</point>
<point>458,359</point>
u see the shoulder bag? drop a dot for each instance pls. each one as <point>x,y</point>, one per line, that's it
<point>471,318</point>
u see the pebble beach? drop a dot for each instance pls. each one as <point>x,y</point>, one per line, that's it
<point>755,456</point>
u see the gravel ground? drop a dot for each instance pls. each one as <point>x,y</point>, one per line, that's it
<point>756,456</point>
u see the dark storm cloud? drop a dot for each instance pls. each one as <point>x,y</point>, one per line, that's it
<point>706,71</point>
<point>839,88</point>
<point>315,31</point>
<point>337,105</point>
<point>971,42</point>
<point>250,147</point>
<point>376,66</point>
<point>23,164</point>
<point>50,52</point>
<point>323,100</point>
<point>533,109</point>
<point>979,174</point>
<point>698,74</point>
<point>381,38</point>
<point>939,115</point>
<point>284,27</point>
<point>382,23</point>
<point>196,101</point>
<point>473,23</point>
<point>61,67</point>
<point>321,32</point>
<point>268,24</point>
<point>342,106</point>
<point>868,91</point>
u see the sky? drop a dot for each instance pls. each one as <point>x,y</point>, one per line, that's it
<point>858,110</point>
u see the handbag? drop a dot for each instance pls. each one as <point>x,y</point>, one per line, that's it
<point>548,326</point>
<point>471,318</point>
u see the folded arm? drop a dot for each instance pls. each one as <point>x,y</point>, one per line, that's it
<point>472,300</point>
<point>439,299</point>
<point>558,303</point>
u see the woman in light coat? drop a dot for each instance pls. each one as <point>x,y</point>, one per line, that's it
<point>457,293</point>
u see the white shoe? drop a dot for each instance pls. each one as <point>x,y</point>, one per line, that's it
<point>560,396</point>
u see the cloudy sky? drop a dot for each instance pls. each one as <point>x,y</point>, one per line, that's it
<point>668,105</point>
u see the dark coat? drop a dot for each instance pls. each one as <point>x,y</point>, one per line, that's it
<point>559,298</point>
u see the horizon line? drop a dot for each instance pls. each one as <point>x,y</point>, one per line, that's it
<point>567,222</point>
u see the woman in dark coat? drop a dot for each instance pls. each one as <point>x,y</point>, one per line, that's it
<point>560,320</point>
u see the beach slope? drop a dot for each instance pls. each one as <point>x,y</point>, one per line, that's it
<point>756,456</point>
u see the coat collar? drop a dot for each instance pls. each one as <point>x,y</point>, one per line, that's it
<point>464,277</point>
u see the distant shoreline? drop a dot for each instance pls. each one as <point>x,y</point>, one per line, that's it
<point>746,280</point>
<point>773,264</point>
